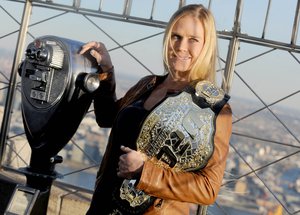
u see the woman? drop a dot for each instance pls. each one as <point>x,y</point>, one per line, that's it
<point>188,162</point>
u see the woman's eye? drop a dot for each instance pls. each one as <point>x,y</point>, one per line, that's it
<point>194,40</point>
<point>175,37</point>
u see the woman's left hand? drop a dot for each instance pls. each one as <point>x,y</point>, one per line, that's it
<point>99,52</point>
<point>130,164</point>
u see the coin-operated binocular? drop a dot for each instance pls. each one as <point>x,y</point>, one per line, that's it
<point>57,91</point>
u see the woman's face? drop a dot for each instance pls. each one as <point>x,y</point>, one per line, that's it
<point>187,40</point>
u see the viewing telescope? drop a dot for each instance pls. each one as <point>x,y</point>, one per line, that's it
<point>57,85</point>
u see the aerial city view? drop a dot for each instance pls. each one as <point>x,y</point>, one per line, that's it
<point>257,65</point>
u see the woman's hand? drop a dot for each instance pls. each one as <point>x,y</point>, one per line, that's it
<point>130,164</point>
<point>99,52</point>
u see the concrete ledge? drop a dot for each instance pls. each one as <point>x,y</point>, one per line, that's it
<point>63,200</point>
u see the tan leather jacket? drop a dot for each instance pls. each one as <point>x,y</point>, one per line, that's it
<point>173,189</point>
<point>200,187</point>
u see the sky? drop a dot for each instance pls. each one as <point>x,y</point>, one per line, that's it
<point>272,76</point>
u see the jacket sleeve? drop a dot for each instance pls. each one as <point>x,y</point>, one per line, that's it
<point>200,187</point>
<point>105,101</point>
<point>106,104</point>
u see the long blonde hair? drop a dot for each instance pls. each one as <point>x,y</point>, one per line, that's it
<point>204,68</point>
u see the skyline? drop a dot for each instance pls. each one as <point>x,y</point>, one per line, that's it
<point>90,140</point>
<point>258,131</point>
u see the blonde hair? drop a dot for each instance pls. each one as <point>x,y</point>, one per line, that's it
<point>204,68</point>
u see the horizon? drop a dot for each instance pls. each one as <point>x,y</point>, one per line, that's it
<point>265,139</point>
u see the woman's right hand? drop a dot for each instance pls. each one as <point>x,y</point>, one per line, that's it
<point>130,163</point>
<point>100,53</point>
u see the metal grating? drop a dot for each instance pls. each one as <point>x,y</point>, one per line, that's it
<point>259,58</point>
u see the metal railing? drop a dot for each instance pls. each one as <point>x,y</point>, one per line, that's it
<point>234,38</point>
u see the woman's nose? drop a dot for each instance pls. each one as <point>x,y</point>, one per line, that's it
<point>182,45</point>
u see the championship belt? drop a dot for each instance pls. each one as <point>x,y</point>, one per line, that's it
<point>179,133</point>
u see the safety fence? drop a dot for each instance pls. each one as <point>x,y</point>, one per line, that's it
<point>259,61</point>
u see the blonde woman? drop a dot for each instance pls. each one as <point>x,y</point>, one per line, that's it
<point>170,134</point>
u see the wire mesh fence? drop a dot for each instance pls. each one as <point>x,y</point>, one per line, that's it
<point>262,173</point>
